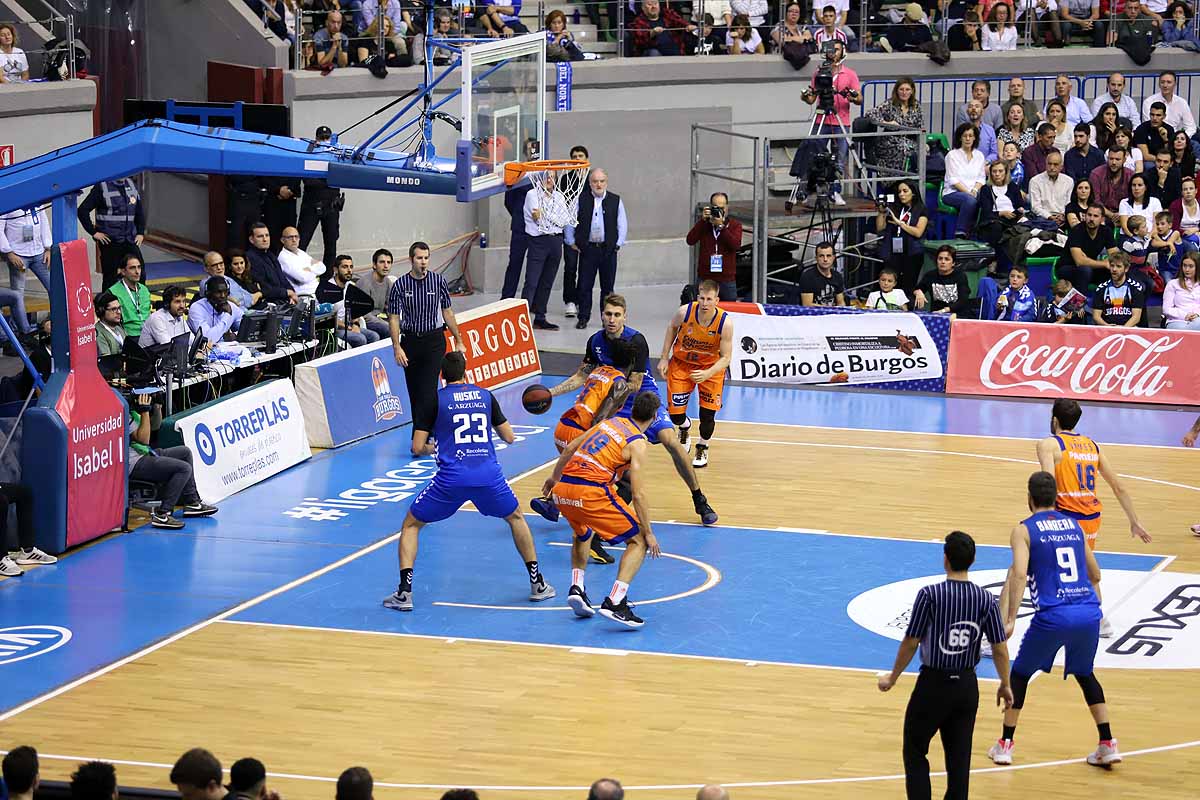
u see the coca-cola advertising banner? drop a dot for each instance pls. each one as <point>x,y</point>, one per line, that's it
<point>1085,362</point>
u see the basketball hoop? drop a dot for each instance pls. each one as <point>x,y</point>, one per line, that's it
<point>558,199</point>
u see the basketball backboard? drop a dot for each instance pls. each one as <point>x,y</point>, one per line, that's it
<point>503,111</point>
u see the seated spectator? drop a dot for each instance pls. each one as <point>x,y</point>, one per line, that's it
<point>214,266</point>
<point>789,29</point>
<point>170,469</point>
<point>709,41</point>
<point>1179,111</point>
<point>909,34</point>
<point>14,66</point>
<point>445,26</point>
<point>502,21</point>
<point>1163,181</point>
<point>1081,15</point>
<point>987,135</point>
<point>1104,126</point>
<point>1154,134</point>
<point>606,789</point>
<point>1167,247</point>
<point>331,46</point>
<point>168,321</point>
<point>1017,303</point>
<point>1050,192</point>
<point>133,295</point>
<point>1180,308</point>
<point>1064,130</point>
<point>1088,244</point>
<point>248,781</point>
<point>1045,21</point>
<point>239,273</point>
<point>1034,156</point>
<point>21,773</point>
<point>1185,212</point>
<point>1127,107</point>
<point>1177,28</point>
<point>110,330</point>
<point>355,332</point>
<point>197,775</point>
<point>658,31</point>
<point>1067,306</point>
<point>377,284</point>
<point>1015,128</point>
<point>1000,33</point>
<point>944,290</point>
<point>901,109</point>
<point>1081,198</point>
<point>1011,157</point>
<point>822,285</point>
<point>95,780</point>
<point>1118,301</point>
<point>1000,205</point>
<point>981,90</point>
<point>1133,25</point>
<point>1110,185</point>
<point>396,22</point>
<point>1016,97</point>
<point>888,297</point>
<point>1075,108</point>
<point>1133,155</point>
<point>965,176</point>
<point>1139,203</point>
<point>302,270</point>
<point>829,29</point>
<point>560,43</point>
<point>902,224</point>
<point>966,36</point>
<point>1182,155</point>
<point>213,316</point>
<point>743,39</point>
<point>1080,160</point>
<point>26,554</point>
<point>1135,244</point>
<point>755,11</point>
<point>355,783</point>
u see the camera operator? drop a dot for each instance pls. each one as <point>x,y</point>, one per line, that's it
<point>834,87</point>
<point>719,238</point>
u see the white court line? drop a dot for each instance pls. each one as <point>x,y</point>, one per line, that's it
<point>646,788</point>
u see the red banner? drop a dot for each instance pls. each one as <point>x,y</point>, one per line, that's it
<point>499,343</point>
<point>1134,365</point>
<point>92,414</point>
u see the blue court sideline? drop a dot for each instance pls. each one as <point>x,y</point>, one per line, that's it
<point>126,593</point>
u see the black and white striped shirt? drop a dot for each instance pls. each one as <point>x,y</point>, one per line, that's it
<point>951,618</point>
<point>419,303</point>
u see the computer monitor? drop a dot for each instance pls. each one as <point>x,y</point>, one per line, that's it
<point>198,342</point>
<point>251,327</point>
<point>175,355</point>
<point>300,326</point>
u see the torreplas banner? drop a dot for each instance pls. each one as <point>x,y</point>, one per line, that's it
<point>245,439</point>
<point>862,348</point>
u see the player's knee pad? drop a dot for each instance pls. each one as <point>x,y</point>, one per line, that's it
<point>679,419</point>
<point>624,490</point>
<point>1020,685</point>
<point>1093,692</point>
<point>708,422</point>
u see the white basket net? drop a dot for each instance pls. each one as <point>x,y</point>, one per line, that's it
<point>558,192</point>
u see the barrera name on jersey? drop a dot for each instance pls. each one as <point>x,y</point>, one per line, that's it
<point>698,344</point>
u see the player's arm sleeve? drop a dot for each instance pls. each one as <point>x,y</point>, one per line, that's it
<point>993,623</point>
<point>498,417</point>
<point>922,613</point>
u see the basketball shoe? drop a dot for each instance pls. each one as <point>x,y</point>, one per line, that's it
<point>1002,751</point>
<point>577,599</point>
<point>707,515</point>
<point>683,437</point>
<point>621,613</point>
<point>701,459</point>
<point>1106,628</point>
<point>598,554</point>
<point>545,507</point>
<point>399,601</point>
<point>1106,754</point>
<point>540,591</point>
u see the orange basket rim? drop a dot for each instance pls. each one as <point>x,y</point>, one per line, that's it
<point>515,170</point>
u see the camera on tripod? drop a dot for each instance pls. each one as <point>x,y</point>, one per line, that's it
<point>823,79</point>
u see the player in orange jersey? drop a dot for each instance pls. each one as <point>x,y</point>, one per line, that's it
<point>583,488</point>
<point>1075,460</point>
<point>696,351</point>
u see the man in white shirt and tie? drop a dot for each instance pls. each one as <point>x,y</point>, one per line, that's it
<point>1179,113</point>
<point>602,217</point>
<point>545,243</point>
<point>302,270</point>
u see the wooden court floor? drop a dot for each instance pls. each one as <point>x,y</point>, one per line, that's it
<point>430,712</point>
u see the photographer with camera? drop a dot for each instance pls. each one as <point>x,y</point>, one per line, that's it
<point>718,238</point>
<point>834,87</point>
<point>901,220</point>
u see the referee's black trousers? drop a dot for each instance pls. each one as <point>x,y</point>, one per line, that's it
<point>944,702</point>
<point>425,352</point>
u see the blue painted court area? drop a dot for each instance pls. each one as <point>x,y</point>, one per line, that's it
<point>781,596</point>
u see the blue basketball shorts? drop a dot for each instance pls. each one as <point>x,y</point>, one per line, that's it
<point>1078,631</point>
<point>440,500</point>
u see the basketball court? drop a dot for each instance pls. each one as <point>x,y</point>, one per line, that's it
<point>260,631</point>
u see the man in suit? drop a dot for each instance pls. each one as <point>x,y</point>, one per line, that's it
<point>598,235</point>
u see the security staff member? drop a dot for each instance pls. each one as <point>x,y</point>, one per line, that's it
<point>279,207</point>
<point>120,224</point>
<point>948,622</point>
<point>418,309</point>
<point>245,206</point>
<point>321,204</point>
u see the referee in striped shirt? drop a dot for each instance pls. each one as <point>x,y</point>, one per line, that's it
<point>948,623</point>
<point>418,309</point>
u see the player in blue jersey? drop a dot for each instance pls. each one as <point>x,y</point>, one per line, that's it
<point>462,421</point>
<point>1051,554</point>
<point>641,379</point>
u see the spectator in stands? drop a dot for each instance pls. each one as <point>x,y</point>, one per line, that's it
<point>789,29</point>
<point>822,285</point>
<point>330,44</point>
<point>239,273</point>
<point>1076,109</point>
<point>743,39</point>
<point>1185,212</point>
<point>755,11</point>
<point>302,270</point>
<point>321,204</point>
<point>1011,157</point>
<point>1179,113</point>
<point>1050,191</point>
<point>1045,25</point>
<point>708,41</point>
<point>1016,96</point>
<point>981,90</point>
<point>1034,156</point>
<point>21,773</point>
<point>658,31</point>
<point>1177,28</point>
<point>1000,205</point>
<point>944,290</point>
<point>1154,134</point>
<point>355,783</point>
<point>133,295</point>
<point>14,66</point>
<point>900,110</point>
<point>110,329</point>
<point>1182,155</point>
<point>501,21</point>
<point>1127,108</point>
<point>169,321</point>
<point>848,88</point>
<point>1135,244</point>
<point>1118,301</point>
<point>197,773</point>
<point>377,284</point>
<point>597,238</point>
<point>1180,308</point>
<point>1081,198</point>
<point>1000,33</point>
<point>95,780</point>
<point>719,236</point>
<point>909,34</point>
<point>1104,126</point>
<point>1139,203</point>
<point>396,22</point>
<point>25,240</point>
<point>1134,25</point>
<point>1062,315</point>
<point>1083,15</point>
<point>827,30</point>
<point>1087,246</point>
<point>560,42</point>
<point>248,781</point>
<point>712,792</point>
<point>966,36</point>
<point>1163,181</point>
<point>445,27</point>
<point>1168,247</point>
<point>213,316</point>
<point>1081,159</point>
<point>265,269</point>
<point>987,134</point>
<point>1016,128</point>
<point>1133,154</point>
<point>355,332</point>
<point>1017,303</point>
<point>888,297</point>
<point>120,224</point>
<point>902,225</point>
<point>214,266</point>
<point>606,789</point>
<point>1064,132</point>
<point>965,176</point>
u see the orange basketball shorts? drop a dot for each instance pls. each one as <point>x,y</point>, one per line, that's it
<point>565,433</point>
<point>680,386</point>
<point>1091,530</point>
<point>595,508</point>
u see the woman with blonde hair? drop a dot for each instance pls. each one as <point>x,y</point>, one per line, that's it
<point>901,110</point>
